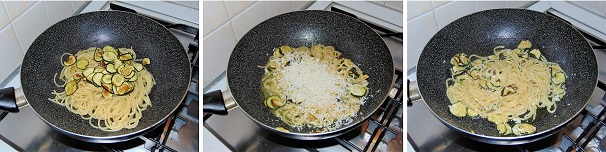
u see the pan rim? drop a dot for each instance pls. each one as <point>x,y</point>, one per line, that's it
<point>514,140</point>
<point>122,137</point>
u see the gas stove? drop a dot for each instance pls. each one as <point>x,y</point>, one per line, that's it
<point>585,133</point>
<point>24,131</point>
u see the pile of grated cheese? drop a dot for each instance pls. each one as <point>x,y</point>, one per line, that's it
<point>310,81</point>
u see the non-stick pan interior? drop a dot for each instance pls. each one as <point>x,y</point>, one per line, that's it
<point>169,66</point>
<point>348,35</point>
<point>479,33</point>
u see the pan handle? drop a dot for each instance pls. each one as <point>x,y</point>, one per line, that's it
<point>12,99</point>
<point>413,93</point>
<point>217,102</point>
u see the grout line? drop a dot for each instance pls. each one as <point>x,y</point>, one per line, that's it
<point>46,11</point>
<point>215,31</point>
<point>434,15</point>
<point>233,28</point>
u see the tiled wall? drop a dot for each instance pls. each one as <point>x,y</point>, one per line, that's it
<point>225,22</point>
<point>20,24</point>
<point>426,18</point>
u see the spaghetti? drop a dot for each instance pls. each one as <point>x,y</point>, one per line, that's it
<point>506,87</point>
<point>109,105</point>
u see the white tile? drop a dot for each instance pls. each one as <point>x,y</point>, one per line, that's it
<point>215,15</point>
<point>4,19</point>
<point>420,31</point>
<point>11,52</point>
<point>396,5</point>
<point>77,5</point>
<point>249,19</point>
<point>416,8</point>
<point>453,11</point>
<point>31,24</point>
<point>58,10</point>
<point>236,7</point>
<point>486,5</point>
<point>216,49</point>
<point>15,8</point>
<point>518,3</point>
<point>275,8</point>
<point>437,4</point>
<point>597,7</point>
<point>301,4</point>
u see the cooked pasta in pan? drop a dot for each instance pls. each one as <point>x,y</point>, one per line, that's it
<point>506,87</point>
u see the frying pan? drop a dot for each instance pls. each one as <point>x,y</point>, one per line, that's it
<point>302,28</point>
<point>479,33</point>
<point>169,66</point>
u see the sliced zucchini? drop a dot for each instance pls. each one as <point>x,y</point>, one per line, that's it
<point>107,94</point>
<point>483,84</point>
<point>353,73</point>
<point>98,55</point>
<point>498,119</point>
<point>138,66</point>
<point>133,78</point>
<point>524,44</point>
<point>106,79</point>
<point>456,70</point>
<point>358,90</point>
<point>508,129</point>
<point>475,74</point>
<point>502,129</point>
<point>272,65</point>
<point>109,56</point>
<point>536,53</point>
<point>458,109</point>
<point>110,68</point>
<point>516,129</point>
<point>123,51</point>
<point>98,70</point>
<point>463,60</point>
<point>108,87</point>
<point>71,87</point>
<point>282,129</point>
<point>277,53</point>
<point>90,77</point>
<point>454,60</point>
<point>71,59</point>
<point>461,77</point>
<point>105,72</point>
<point>126,70</point>
<point>88,72</point>
<point>132,74</point>
<point>145,61</point>
<point>117,79</point>
<point>77,76</point>
<point>110,49</point>
<point>525,128</point>
<point>97,79</point>
<point>125,57</point>
<point>117,64</point>
<point>82,64</point>
<point>277,102</point>
<point>285,49</point>
<point>558,78</point>
<point>508,90</point>
<point>269,104</point>
<point>124,89</point>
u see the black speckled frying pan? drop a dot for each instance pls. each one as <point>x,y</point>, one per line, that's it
<point>479,33</point>
<point>348,35</point>
<point>169,66</point>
